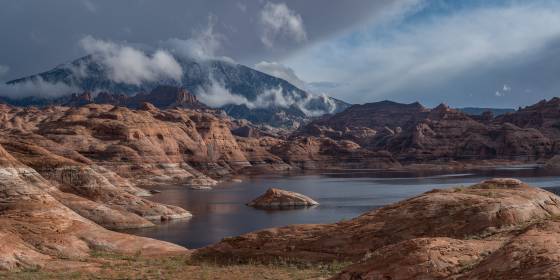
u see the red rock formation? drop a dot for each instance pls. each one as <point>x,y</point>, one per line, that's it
<point>277,198</point>
<point>326,153</point>
<point>376,116</point>
<point>37,229</point>
<point>146,147</point>
<point>500,228</point>
<point>543,116</point>
<point>414,134</point>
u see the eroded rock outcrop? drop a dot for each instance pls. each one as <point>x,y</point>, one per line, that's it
<point>414,134</point>
<point>277,198</point>
<point>91,190</point>
<point>147,147</point>
<point>465,232</point>
<point>37,229</point>
<point>325,153</point>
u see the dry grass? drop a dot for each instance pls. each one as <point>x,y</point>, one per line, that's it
<point>114,266</point>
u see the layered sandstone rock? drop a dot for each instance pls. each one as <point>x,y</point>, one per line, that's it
<point>92,191</point>
<point>413,134</point>
<point>420,258</point>
<point>376,116</point>
<point>326,153</point>
<point>497,227</point>
<point>196,147</point>
<point>37,229</point>
<point>145,146</point>
<point>532,254</point>
<point>277,198</point>
<point>542,116</point>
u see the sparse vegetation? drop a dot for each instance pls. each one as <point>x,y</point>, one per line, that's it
<point>116,266</point>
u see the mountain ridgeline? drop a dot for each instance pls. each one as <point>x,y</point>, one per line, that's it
<point>260,98</point>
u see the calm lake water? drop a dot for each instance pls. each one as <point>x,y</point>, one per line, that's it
<point>221,212</point>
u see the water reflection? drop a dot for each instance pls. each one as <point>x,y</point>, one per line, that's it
<point>221,212</point>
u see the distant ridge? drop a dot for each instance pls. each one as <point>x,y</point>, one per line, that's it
<point>477,111</point>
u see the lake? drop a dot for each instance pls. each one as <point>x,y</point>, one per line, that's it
<point>221,212</point>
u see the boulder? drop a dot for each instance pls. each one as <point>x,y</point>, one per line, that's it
<point>277,198</point>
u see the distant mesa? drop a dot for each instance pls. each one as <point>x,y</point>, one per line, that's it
<point>478,111</point>
<point>413,133</point>
<point>280,199</point>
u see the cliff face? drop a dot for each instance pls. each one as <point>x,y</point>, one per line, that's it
<point>41,225</point>
<point>543,116</point>
<point>412,133</point>
<point>148,146</point>
<point>145,146</point>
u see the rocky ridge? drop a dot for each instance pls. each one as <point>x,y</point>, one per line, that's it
<point>38,229</point>
<point>414,134</point>
<point>500,228</point>
<point>70,173</point>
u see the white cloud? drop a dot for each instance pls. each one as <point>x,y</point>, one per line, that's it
<point>279,21</point>
<point>204,43</point>
<point>280,71</point>
<point>403,58</point>
<point>216,95</point>
<point>128,65</point>
<point>36,88</point>
<point>277,97</point>
<point>272,98</point>
<point>506,88</point>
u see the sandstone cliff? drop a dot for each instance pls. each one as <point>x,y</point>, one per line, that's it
<point>414,134</point>
<point>37,229</point>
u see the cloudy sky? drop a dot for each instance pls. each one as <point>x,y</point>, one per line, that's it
<point>465,53</point>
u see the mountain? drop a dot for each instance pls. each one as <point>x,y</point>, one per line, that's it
<point>263,98</point>
<point>376,115</point>
<point>413,133</point>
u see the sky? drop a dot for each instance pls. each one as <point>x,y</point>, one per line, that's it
<point>464,53</point>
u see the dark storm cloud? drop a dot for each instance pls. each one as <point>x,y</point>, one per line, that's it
<point>37,35</point>
<point>497,54</point>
